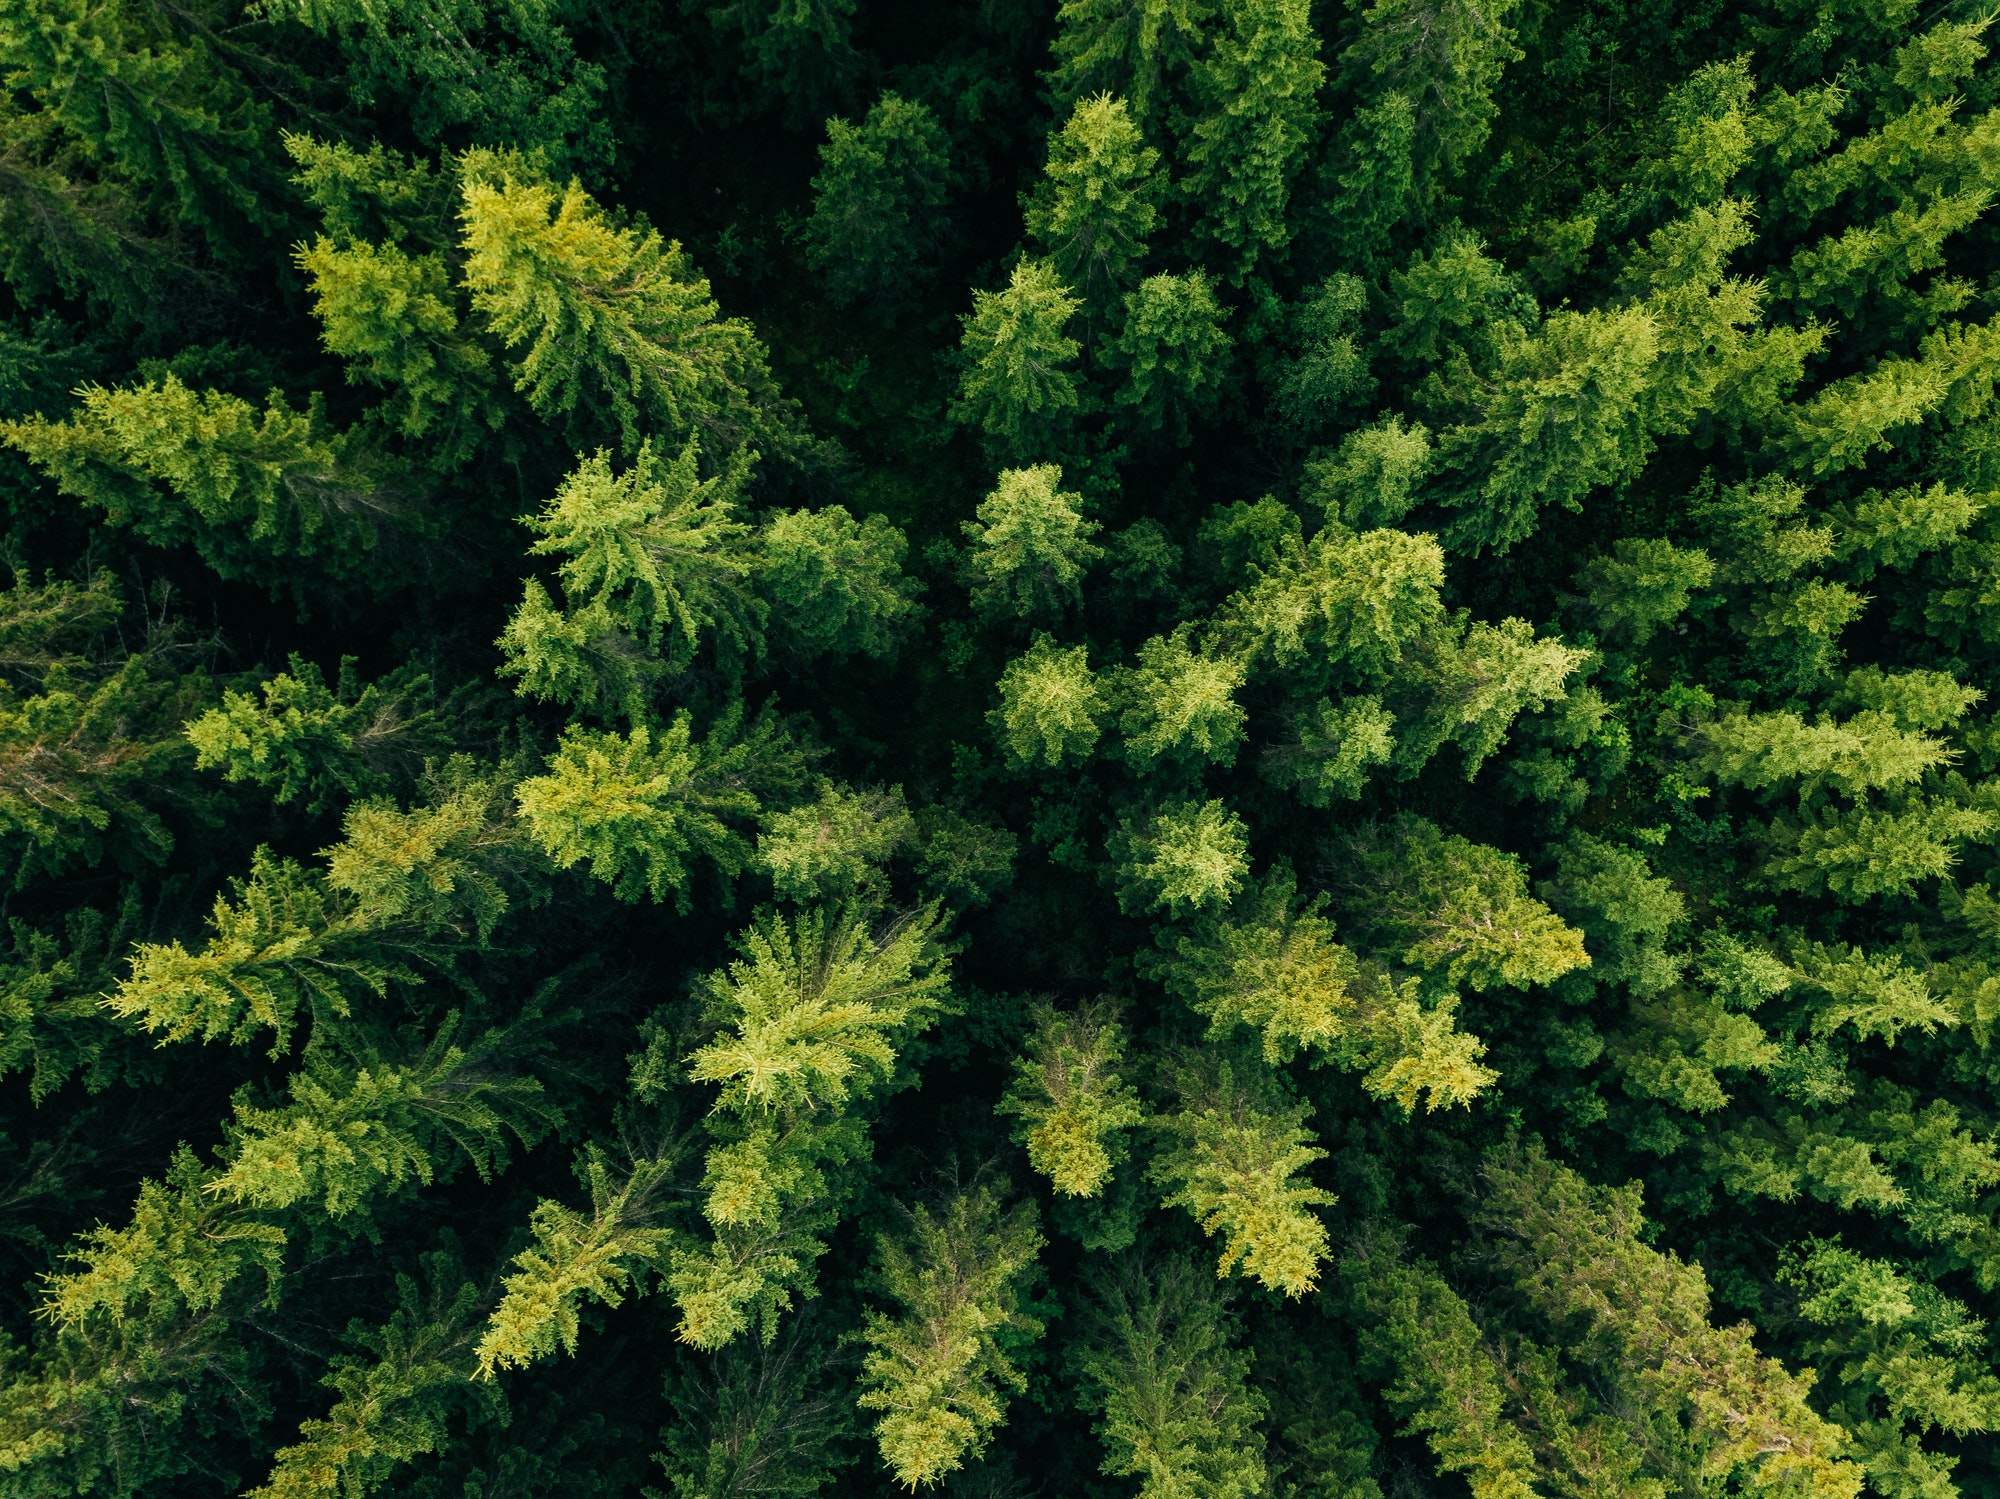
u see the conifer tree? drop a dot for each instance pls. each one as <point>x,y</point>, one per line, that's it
<point>1098,200</point>
<point>1131,48</point>
<point>1072,1103</point>
<point>876,221</point>
<point>1390,740</point>
<point>936,1371</point>
<point>608,323</point>
<point>1255,90</point>
<point>1030,545</point>
<point>1176,1409</point>
<point>1016,385</point>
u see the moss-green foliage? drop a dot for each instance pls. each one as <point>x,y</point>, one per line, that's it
<point>1221,749</point>
<point>937,1370</point>
<point>1074,1106</point>
<point>1163,1370</point>
<point>876,220</point>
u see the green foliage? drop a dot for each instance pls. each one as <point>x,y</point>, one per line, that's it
<point>835,847</point>
<point>1187,856</point>
<point>1575,1254</point>
<point>1404,700</point>
<point>1098,200</point>
<point>877,215</point>
<point>1424,79</point>
<point>1030,545</point>
<point>402,890</point>
<point>397,1394</point>
<point>1644,585</point>
<point>1371,479</point>
<point>815,1007</point>
<point>1419,1338</point>
<point>577,1256</point>
<point>1173,351</point>
<point>1560,413</point>
<point>1050,705</point>
<point>1236,1160</point>
<point>393,318</point>
<point>1073,1105</point>
<point>798,53</point>
<point>836,584</point>
<point>253,492</point>
<point>1169,1385</point>
<point>769,1415</point>
<point>1454,908</point>
<point>602,322</point>
<point>936,1370</point>
<point>1128,47</point>
<point>1180,705</point>
<point>1255,92</point>
<point>1360,600</point>
<point>656,548</point>
<point>637,806</point>
<point>1016,384</point>
<point>304,740</point>
<point>1277,969</point>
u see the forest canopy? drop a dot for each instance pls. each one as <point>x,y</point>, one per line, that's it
<point>1146,749</point>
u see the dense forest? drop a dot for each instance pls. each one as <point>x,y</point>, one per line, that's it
<point>1204,749</point>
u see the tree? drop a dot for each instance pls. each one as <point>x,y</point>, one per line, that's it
<point>1188,855</point>
<point>303,739</point>
<point>801,54</point>
<point>1175,1406</point>
<point>1050,705</point>
<point>1173,352</point>
<point>636,806</point>
<point>877,218</point>
<point>835,584</point>
<point>1424,78</point>
<point>1255,91</point>
<point>1399,733</point>
<point>1277,969</point>
<point>1072,1103</point>
<point>1235,1161</point>
<point>1180,705</point>
<point>936,1371</point>
<point>1015,384</point>
<point>255,493</point>
<point>604,324</point>
<point>834,847</point>
<point>655,554</point>
<point>1132,48</point>
<point>1098,200</point>
<point>1030,545</point>
<point>1454,907</point>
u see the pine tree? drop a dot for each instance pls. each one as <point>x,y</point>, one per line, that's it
<point>1073,1105</point>
<point>936,1371</point>
<point>1176,1409</point>
<point>876,223</point>
<point>1098,201</point>
<point>1173,352</point>
<point>603,323</point>
<point>1016,385</point>
<point>1404,709</point>
<point>1180,705</point>
<point>1030,545</point>
<point>636,806</point>
<point>1255,92</point>
<point>1050,705</point>
<point>1188,856</point>
<point>1132,48</point>
<point>1236,1160</point>
<point>255,493</point>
